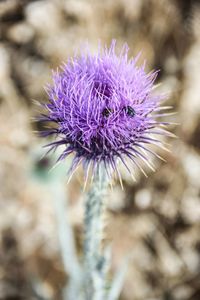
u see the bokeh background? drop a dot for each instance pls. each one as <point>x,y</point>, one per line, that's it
<point>156,219</point>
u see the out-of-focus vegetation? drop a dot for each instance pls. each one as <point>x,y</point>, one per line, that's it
<point>156,220</point>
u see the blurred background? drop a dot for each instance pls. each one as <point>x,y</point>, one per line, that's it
<point>156,219</point>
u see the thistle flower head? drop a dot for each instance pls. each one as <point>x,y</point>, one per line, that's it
<point>101,108</point>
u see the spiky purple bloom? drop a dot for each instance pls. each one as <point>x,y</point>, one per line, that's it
<point>103,109</point>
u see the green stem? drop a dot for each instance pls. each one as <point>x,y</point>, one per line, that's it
<point>94,225</point>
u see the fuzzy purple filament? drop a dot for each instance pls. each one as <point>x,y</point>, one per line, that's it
<point>103,109</point>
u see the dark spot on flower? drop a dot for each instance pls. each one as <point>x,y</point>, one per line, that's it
<point>106,112</point>
<point>129,111</point>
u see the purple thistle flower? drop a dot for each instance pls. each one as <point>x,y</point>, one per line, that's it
<point>103,109</point>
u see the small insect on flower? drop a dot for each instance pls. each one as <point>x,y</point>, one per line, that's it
<point>129,111</point>
<point>102,108</point>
